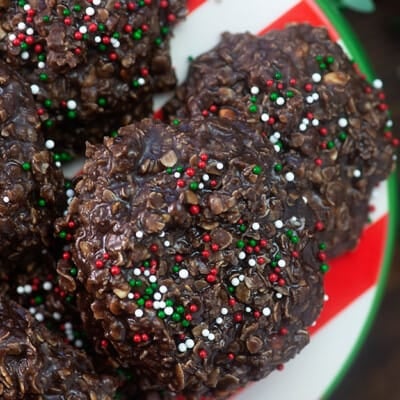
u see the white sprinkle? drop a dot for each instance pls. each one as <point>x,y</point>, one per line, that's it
<point>25,55</point>
<point>12,37</point>
<point>255,226</point>
<point>131,296</point>
<point>277,148</point>
<point>162,234</point>
<point>157,296</point>
<point>211,336</point>
<point>242,255</point>
<point>56,316</point>
<point>167,243</point>
<point>21,26</point>
<point>39,317</point>
<point>201,185</point>
<point>83,29</point>
<point>377,84</point>
<point>71,104</point>
<point>156,305</point>
<point>248,309</point>
<point>255,90</point>
<point>220,165</point>
<point>273,139</point>
<point>315,122</point>
<point>27,7</point>
<point>182,347</point>
<point>141,81</point>
<point>205,332</point>
<point>146,273</point>
<point>278,224</point>
<point>357,173</point>
<point>189,343</point>
<point>41,64</point>
<point>241,278</point>
<point>277,135</point>
<point>115,43</point>
<point>278,295</point>
<point>70,193</point>
<point>302,127</point>
<point>50,144</point>
<point>58,165</point>
<point>309,99</point>
<point>97,39</point>
<point>252,262</point>
<point>32,310</point>
<point>266,311</point>
<point>90,11</point>
<point>305,121</point>
<point>47,285</point>
<point>96,2</point>
<point>20,290</point>
<point>137,272</point>
<point>163,289</point>
<point>224,311</point>
<point>389,123</point>
<point>289,176</point>
<point>305,199</point>
<point>326,297</point>
<point>316,77</point>
<point>183,273</point>
<point>139,313</point>
<point>162,304</point>
<point>6,199</point>
<point>282,263</point>
<point>139,234</point>
<point>152,279</point>
<point>264,117</point>
<point>168,310</point>
<point>219,320</point>
<point>29,31</point>
<point>342,122</point>
<point>315,96</point>
<point>205,178</point>
<point>235,282</point>
<point>293,219</point>
<point>280,101</point>
<point>68,326</point>
<point>78,343</point>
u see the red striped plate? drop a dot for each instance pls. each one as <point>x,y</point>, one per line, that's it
<point>356,280</point>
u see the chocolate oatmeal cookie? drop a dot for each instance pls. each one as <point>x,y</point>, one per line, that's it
<point>302,93</point>
<point>195,268</point>
<point>31,194</point>
<point>92,65</point>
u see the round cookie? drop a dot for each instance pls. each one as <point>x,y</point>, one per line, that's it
<point>31,194</point>
<point>195,269</point>
<point>92,65</point>
<point>298,88</point>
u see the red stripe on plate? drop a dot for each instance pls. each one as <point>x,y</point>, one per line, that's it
<point>351,275</point>
<point>193,4</point>
<point>304,12</point>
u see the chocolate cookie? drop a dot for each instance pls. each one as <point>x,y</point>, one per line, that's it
<point>195,269</point>
<point>31,194</point>
<point>92,65</point>
<point>36,364</point>
<point>302,93</point>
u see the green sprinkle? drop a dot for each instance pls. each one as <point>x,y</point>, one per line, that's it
<point>253,108</point>
<point>330,60</point>
<point>169,303</point>
<point>176,122</point>
<point>252,242</point>
<point>102,47</point>
<point>42,57</point>
<point>342,136</point>
<point>24,46</point>
<point>253,99</point>
<point>71,114</point>
<point>43,76</point>
<point>41,202</point>
<point>193,186</point>
<point>190,58</point>
<point>176,317</point>
<point>62,235</point>
<point>294,239</point>
<point>169,170</point>
<point>240,244</point>
<point>141,302</point>
<point>38,300</point>
<point>46,19</point>
<point>278,167</point>
<point>323,66</point>
<point>158,41</point>
<point>47,103</point>
<point>114,134</point>
<point>319,58</point>
<point>77,7</point>
<point>149,290</point>
<point>73,271</point>
<point>278,76</point>
<point>322,246</point>
<point>273,96</point>
<point>324,268</point>
<point>231,289</point>
<point>274,264</point>
<point>66,12</point>
<point>137,35</point>
<point>289,94</point>
<point>185,323</point>
<point>146,263</point>
<point>132,282</point>
<point>180,309</point>
<point>101,101</point>
<point>257,170</point>
<point>21,3</point>
<point>164,30</point>
<point>242,228</point>
<point>26,166</point>
<point>179,169</point>
<point>116,35</point>
<point>101,27</point>
<point>330,144</point>
<point>161,314</point>
<point>175,268</point>
<point>135,83</point>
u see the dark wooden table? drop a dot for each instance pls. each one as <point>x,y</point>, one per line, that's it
<point>375,374</point>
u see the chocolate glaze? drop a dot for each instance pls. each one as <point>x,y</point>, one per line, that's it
<point>94,67</point>
<point>195,270</point>
<point>31,186</point>
<point>300,91</point>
